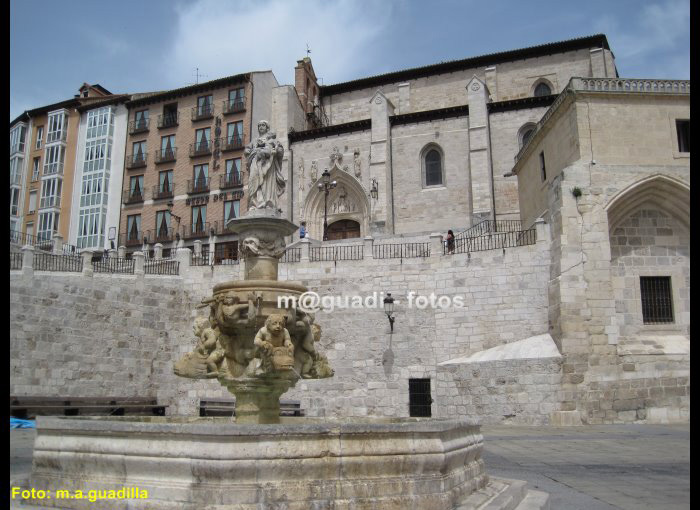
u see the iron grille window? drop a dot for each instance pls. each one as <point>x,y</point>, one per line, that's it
<point>657,302</point>
<point>419,399</point>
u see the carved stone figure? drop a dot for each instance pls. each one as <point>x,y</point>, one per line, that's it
<point>205,361</point>
<point>301,177</point>
<point>336,157</point>
<point>314,365</point>
<point>275,347</point>
<point>255,246</point>
<point>341,204</point>
<point>357,163</point>
<point>264,162</point>
<point>314,171</point>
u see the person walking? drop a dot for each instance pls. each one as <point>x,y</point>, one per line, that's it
<point>450,242</point>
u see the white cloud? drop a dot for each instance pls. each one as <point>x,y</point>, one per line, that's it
<point>222,39</point>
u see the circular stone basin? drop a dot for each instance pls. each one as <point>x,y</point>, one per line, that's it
<point>300,464</point>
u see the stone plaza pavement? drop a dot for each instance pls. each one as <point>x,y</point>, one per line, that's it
<point>601,467</point>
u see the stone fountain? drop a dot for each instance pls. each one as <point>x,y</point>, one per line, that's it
<point>258,350</point>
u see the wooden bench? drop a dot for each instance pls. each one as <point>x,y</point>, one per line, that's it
<point>227,407</point>
<point>30,407</point>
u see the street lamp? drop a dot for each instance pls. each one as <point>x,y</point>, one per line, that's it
<point>326,186</point>
<point>170,210</point>
<point>374,190</point>
<point>389,309</point>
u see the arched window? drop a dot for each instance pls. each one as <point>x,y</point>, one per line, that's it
<point>433,168</point>
<point>525,134</point>
<point>542,89</point>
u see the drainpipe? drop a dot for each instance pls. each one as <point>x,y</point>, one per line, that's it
<point>493,188</point>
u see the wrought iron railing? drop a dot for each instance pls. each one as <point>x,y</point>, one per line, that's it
<point>291,255</point>
<point>137,160</point>
<point>199,185</point>
<point>202,259</point>
<point>166,155</point>
<point>321,253</point>
<point>138,126</point>
<point>230,143</point>
<point>231,106</point>
<point>167,120</point>
<point>400,251</point>
<point>160,192</point>
<point>196,230</point>
<point>51,262</point>
<point>132,197</point>
<point>202,148</point>
<point>16,260</point>
<point>162,267</point>
<point>492,241</point>
<point>487,226</point>
<point>131,238</point>
<point>205,111</point>
<point>230,181</point>
<point>113,265</point>
<point>23,239</point>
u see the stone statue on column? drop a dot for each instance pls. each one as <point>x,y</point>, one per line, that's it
<point>264,162</point>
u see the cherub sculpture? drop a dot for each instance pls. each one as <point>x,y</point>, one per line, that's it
<point>275,347</point>
<point>205,361</point>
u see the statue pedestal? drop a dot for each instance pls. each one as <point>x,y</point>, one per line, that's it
<point>258,398</point>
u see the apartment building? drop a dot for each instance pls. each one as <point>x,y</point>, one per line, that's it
<point>46,141</point>
<point>184,168</point>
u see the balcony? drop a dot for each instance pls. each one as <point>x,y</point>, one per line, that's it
<point>160,193</point>
<point>202,148</point>
<point>161,235</point>
<point>231,143</point>
<point>17,147</point>
<point>131,238</point>
<point>230,181</point>
<point>136,160</point>
<point>205,111</point>
<point>196,230</point>
<point>132,197</point>
<point>138,126</point>
<point>166,155</point>
<point>198,185</point>
<point>168,120</point>
<point>56,136</point>
<point>233,106</point>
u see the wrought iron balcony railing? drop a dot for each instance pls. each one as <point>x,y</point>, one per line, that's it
<point>161,235</point>
<point>200,149</point>
<point>167,120</point>
<point>166,155</point>
<point>132,197</point>
<point>231,106</point>
<point>131,238</point>
<point>138,126</point>
<point>196,230</point>
<point>205,111</point>
<point>230,143</point>
<point>230,181</point>
<point>198,185</point>
<point>136,160</point>
<point>160,192</point>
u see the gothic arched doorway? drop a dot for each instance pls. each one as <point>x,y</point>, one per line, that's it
<point>343,229</point>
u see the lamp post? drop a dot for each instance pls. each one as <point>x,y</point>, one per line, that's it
<point>326,186</point>
<point>389,309</point>
<point>170,210</point>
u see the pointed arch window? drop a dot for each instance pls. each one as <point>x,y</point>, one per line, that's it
<point>433,167</point>
<point>542,89</point>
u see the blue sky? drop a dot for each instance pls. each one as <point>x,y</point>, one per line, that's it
<point>146,45</point>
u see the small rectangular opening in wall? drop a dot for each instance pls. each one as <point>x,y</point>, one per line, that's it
<point>419,399</point>
<point>683,131</point>
<point>657,300</point>
<point>543,169</point>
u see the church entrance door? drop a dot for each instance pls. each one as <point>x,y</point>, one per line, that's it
<point>343,229</point>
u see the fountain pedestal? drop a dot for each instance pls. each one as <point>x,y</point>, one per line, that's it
<point>258,398</point>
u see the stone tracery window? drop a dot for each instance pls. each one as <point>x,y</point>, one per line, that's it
<point>525,134</point>
<point>542,89</point>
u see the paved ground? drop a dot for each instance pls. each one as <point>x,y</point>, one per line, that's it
<point>604,467</point>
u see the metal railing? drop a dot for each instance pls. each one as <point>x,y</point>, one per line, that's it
<point>51,262</point>
<point>136,160</point>
<point>202,148</point>
<point>162,267</point>
<point>327,253</point>
<point>166,155</point>
<point>23,239</point>
<point>230,181</point>
<point>113,265</point>
<point>167,120</point>
<point>132,197</point>
<point>199,185</point>
<point>400,251</point>
<point>233,106</point>
<point>16,260</point>
<point>291,255</point>
<point>230,143</point>
<point>159,193</point>
<point>205,111</point>
<point>55,168</point>
<point>201,259</point>
<point>131,239</point>
<point>138,126</point>
<point>492,241</point>
<point>487,226</point>
<point>196,230</point>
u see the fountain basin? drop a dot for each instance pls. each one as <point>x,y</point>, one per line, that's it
<point>213,463</point>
